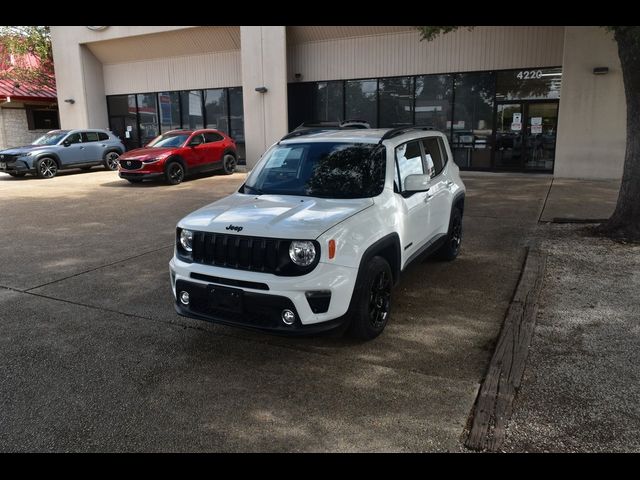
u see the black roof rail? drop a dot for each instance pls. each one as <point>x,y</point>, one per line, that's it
<point>306,131</point>
<point>307,128</point>
<point>394,132</point>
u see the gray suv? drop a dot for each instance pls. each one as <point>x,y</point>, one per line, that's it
<point>62,149</point>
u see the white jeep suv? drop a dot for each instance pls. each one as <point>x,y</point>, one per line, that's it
<point>320,232</point>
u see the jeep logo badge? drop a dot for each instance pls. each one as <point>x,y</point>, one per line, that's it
<point>233,227</point>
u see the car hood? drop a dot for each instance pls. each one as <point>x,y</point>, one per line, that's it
<point>25,149</point>
<point>145,153</point>
<point>275,216</point>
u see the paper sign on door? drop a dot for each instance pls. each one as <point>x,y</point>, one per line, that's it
<point>536,128</point>
<point>536,120</point>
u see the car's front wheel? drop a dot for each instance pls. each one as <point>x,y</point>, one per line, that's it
<point>174,173</point>
<point>111,160</point>
<point>46,167</point>
<point>372,306</point>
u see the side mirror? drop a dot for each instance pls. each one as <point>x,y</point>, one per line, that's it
<point>417,183</point>
<point>66,143</point>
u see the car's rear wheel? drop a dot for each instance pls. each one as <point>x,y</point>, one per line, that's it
<point>46,167</point>
<point>372,306</point>
<point>17,174</point>
<point>451,248</point>
<point>174,173</point>
<point>111,160</point>
<point>229,163</point>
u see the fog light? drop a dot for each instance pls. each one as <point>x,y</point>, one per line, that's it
<point>184,298</point>
<point>288,317</point>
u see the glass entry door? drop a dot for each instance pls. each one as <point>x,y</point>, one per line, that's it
<point>526,136</point>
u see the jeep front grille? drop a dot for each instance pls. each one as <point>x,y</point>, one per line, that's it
<point>258,254</point>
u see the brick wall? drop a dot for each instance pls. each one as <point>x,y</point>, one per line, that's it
<point>14,130</point>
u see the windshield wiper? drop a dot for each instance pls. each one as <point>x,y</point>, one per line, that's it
<point>256,191</point>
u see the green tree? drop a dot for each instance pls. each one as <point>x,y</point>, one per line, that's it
<point>26,44</point>
<point>625,221</point>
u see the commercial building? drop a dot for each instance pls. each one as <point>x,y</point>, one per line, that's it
<point>529,99</point>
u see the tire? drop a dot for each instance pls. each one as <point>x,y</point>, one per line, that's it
<point>17,174</point>
<point>372,308</point>
<point>134,180</point>
<point>451,248</point>
<point>174,173</point>
<point>229,163</point>
<point>46,167</point>
<point>111,160</point>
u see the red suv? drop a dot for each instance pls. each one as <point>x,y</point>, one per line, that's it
<point>178,153</point>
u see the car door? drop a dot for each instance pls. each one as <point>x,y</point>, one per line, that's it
<point>73,150</point>
<point>439,196</point>
<point>92,148</point>
<point>414,206</point>
<point>194,155</point>
<point>214,149</point>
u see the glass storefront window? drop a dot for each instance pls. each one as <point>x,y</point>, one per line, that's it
<point>361,102</point>
<point>530,84</point>
<point>236,118</point>
<point>396,101</point>
<point>327,102</point>
<point>169,109</point>
<point>434,95</point>
<point>215,106</point>
<point>123,119</point>
<point>191,109</point>
<point>147,117</point>
<point>472,126</point>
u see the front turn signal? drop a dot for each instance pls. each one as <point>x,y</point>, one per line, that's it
<point>332,249</point>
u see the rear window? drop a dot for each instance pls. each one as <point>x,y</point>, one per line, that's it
<point>103,136</point>
<point>210,137</point>
<point>89,136</point>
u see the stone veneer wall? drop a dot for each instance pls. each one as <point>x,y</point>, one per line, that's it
<point>14,130</point>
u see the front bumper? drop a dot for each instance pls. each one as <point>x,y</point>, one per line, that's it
<point>16,166</point>
<point>265,296</point>
<point>139,175</point>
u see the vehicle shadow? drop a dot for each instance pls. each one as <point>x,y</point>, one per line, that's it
<point>122,183</point>
<point>59,174</point>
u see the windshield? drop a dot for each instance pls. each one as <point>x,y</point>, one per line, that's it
<point>327,169</point>
<point>50,138</point>
<point>169,140</point>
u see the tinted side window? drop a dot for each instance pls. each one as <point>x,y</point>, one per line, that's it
<point>210,137</point>
<point>74,138</point>
<point>433,156</point>
<point>89,136</point>
<point>102,136</point>
<point>409,160</point>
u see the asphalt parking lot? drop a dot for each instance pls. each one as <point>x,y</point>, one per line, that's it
<point>94,358</point>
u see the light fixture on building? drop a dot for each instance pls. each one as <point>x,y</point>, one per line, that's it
<point>70,100</point>
<point>261,89</point>
<point>298,76</point>
<point>601,70</point>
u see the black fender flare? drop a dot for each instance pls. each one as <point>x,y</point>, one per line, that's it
<point>389,243</point>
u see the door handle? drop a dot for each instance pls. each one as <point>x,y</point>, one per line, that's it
<point>427,197</point>
<point>450,183</point>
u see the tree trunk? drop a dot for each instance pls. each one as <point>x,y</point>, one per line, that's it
<point>625,221</point>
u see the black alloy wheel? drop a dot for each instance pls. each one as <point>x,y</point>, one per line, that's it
<point>175,173</point>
